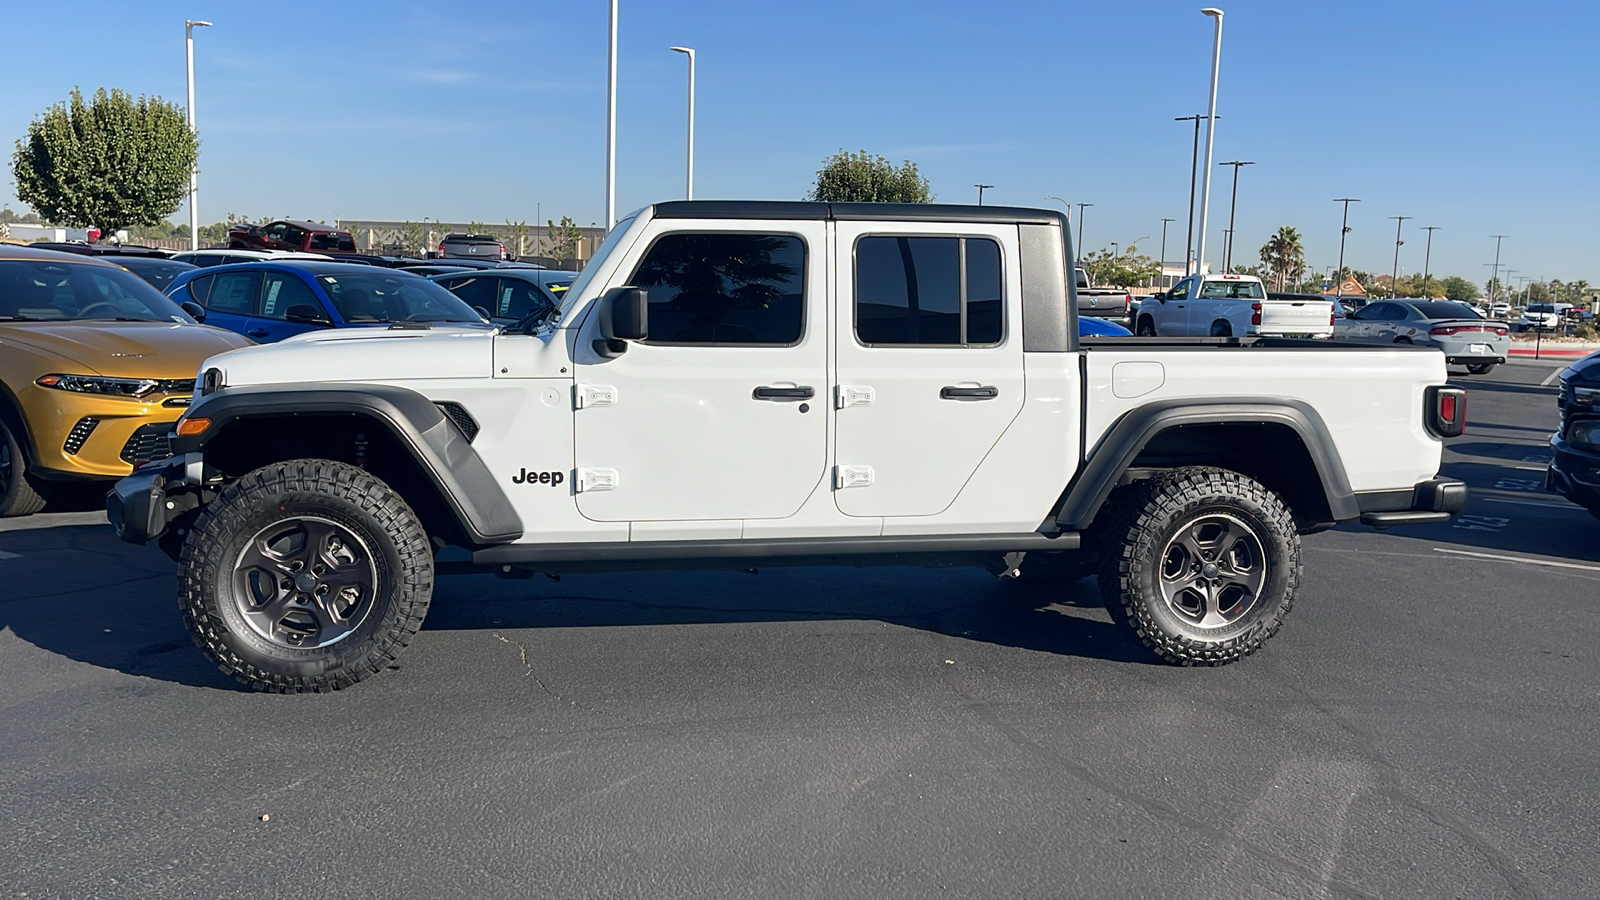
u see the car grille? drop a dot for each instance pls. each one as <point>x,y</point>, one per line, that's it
<point>80,433</point>
<point>148,442</point>
<point>463,419</point>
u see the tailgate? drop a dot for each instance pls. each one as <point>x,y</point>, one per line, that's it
<point>1296,317</point>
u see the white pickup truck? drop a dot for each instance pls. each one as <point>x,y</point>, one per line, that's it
<point>747,384</point>
<point>1230,306</point>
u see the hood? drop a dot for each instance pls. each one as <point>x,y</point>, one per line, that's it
<point>124,349</point>
<point>1585,371</point>
<point>364,354</point>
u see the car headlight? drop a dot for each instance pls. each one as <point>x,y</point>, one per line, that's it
<point>1583,396</point>
<point>97,384</point>
<point>1585,434</point>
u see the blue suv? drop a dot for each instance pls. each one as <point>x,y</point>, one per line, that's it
<point>269,301</point>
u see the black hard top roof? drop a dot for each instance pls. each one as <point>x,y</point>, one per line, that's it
<point>842,212</point>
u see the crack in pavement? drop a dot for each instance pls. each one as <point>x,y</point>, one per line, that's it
<point>522,649</point>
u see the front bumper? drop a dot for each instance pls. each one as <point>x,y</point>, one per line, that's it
<point>1574,473</point>
<point>88,436</point>
<point>142,505</point>
<point>1430,502</point>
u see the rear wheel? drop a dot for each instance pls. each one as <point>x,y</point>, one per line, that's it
<point>17,496</point>
<point>1402,340</point>
<point>1201,565</point>
<point>1481,368</point>
<point>305,575</point>
<point>1221,328</point>
<point>1146,327</point>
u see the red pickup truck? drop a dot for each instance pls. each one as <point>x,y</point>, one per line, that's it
<point>288,234</point>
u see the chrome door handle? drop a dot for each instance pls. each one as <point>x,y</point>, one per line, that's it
<point>783,394</point>
<point>988,392</point>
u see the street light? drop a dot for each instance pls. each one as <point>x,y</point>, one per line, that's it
<point>688,190</point>
<point>189,26</point>
<point>611,122</point>
<point>1227,253</point>
<point>1163,260</point>
<point>981,188</point>
<point>1427,256</point>
<point>1344,229</point>
<point>1495,278</point>
<point>1394,279</point>
<point>1113,249</point>
<point>1211,130</point>
<point>1194,166</point>
<point>1080,229</point>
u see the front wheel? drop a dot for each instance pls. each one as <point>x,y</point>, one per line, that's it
<point>1480,368</point>
<point>17,496</point>
<point>307,575</point>
<point>1146,327</point>
<point>1201,565</point>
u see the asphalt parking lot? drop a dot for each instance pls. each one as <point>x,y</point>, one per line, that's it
<point>1426,726</point>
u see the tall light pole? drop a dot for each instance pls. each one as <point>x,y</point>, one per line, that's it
<point>1227,253</point>
<point>1344,229</point>
<point>1194,171</point>
<point>1113,249</point>
<point>688,190</point>
<point>1495,278</point>
<point>1394,279</point>
<point>611,122</point>
<point>1427,256</point>
<point>1163,260</point>
<point>1211,131</point>
<point>1080,229</point>
<point>189,26</point>
<point>981,188</point>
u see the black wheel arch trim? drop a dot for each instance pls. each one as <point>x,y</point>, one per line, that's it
<point>1129,435</point>
<point>462,480</point>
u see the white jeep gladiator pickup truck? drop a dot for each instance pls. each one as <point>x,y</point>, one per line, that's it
<point>752,384</point>
<point>1227,306</point>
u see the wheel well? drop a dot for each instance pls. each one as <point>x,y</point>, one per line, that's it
<point>11,415</point>
<point>1271,453</point>
<point>366,441</point>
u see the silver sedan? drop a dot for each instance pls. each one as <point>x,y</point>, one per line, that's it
<point>1465,337</point>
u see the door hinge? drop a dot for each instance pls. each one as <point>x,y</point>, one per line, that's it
<point>851,476</point>
<point>596,480</point>
<point>852,395</point>
<point>585,396</point>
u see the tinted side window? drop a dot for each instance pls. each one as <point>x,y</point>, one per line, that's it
<point>234,292</point>
<point>282,291</point>
<point>200,289</point>
<point>928,290</point>
<point>724,288</point>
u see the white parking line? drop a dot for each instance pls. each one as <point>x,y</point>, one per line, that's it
<point>5,555</point>
<point>1559,507</point>
<point>1552,376</point>
<point>1517,559</point>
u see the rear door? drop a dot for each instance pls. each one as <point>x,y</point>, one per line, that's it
<point>928,360</point>
<point>230,298</point>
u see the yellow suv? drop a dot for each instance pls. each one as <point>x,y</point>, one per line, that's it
<point>95,366</point>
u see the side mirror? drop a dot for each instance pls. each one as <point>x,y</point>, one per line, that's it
<point>195,310</point>
<point>624,316</point>
<point>306,314</point>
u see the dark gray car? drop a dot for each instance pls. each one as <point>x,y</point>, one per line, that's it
<point>509,295</point>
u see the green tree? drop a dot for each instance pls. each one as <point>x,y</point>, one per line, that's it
<point>1130,269</point>
<point>518,237</point>
<point>859,178</point>
<point>561,241</point>
<point>112,162</point>
<point>1283,258</point>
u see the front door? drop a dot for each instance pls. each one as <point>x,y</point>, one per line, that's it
<point>929,361</point>
<point>1172,317</point>
<point>720,413</point>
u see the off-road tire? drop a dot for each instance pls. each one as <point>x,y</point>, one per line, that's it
<point>1480,368</point>
<point>17,495</point>
<point>1145,327</point>
<point>1150,515</point>
<point>351,499</point>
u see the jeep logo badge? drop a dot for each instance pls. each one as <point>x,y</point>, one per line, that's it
<point>550,478</point>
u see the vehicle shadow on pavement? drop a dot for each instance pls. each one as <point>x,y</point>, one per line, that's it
<point>76,591</point>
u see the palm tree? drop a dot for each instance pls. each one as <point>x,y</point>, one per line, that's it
<point>1283,258</point>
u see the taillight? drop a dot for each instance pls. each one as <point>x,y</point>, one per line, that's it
<point>1255,314</point>
<point>1446,411</point>
<point>1502,332</point>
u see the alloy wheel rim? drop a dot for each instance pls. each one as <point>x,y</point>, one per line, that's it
<point>1213,571</point>
<point>305,582</point>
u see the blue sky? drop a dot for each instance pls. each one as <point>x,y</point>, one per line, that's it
<point>1475,117</point>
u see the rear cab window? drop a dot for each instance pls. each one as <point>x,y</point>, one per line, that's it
<point>928,291</point>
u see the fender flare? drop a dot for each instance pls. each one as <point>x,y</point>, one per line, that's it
<point>1122,443</point>
<point>456,472</point>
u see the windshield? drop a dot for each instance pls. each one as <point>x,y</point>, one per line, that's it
<point>159,272</point>
<point>39,290</point>
<point>582,281</point>
<point>1442,310</point>
<point>1232,290</point>
<point>1540,307</point>
<point>387,296</point>
<point>332,241</point>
